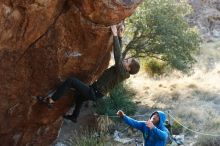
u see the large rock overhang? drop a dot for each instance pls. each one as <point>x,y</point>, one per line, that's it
<point>41,44</point>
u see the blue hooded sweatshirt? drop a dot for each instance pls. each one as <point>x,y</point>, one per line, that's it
<point>152,137</point>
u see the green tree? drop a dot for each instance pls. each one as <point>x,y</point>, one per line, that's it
<point>159,30</point>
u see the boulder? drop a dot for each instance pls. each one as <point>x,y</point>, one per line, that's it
<point>43,42</point>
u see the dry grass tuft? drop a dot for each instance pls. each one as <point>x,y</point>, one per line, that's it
<point>104,123</point>
<point>207,141</point>
<point>192,86</point>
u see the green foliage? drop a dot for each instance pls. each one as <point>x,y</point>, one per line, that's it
<point>119,98</point>
<point>154,67</point>
<point>159,29</point>
<point>176,128</point>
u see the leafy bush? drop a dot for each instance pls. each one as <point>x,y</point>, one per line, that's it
<point>119,98</point>
<point>154,67</point>
<point>176,128</point>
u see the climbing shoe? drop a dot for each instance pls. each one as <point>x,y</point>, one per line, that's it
<point>70,117</point>
<point>45,100</point>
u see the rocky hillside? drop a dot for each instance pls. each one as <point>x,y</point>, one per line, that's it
<point>207,17</point>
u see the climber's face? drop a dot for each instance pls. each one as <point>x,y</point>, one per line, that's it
<point>127,63</point>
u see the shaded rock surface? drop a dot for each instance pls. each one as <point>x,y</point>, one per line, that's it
<point>41,44</point>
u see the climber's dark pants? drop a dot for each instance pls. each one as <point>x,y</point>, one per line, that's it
<point>84,93</point>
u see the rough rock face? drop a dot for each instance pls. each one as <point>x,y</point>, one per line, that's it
<point>207,17</point>
<point>42,42</point>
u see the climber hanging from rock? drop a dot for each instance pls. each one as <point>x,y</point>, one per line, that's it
<point>107,81</point>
